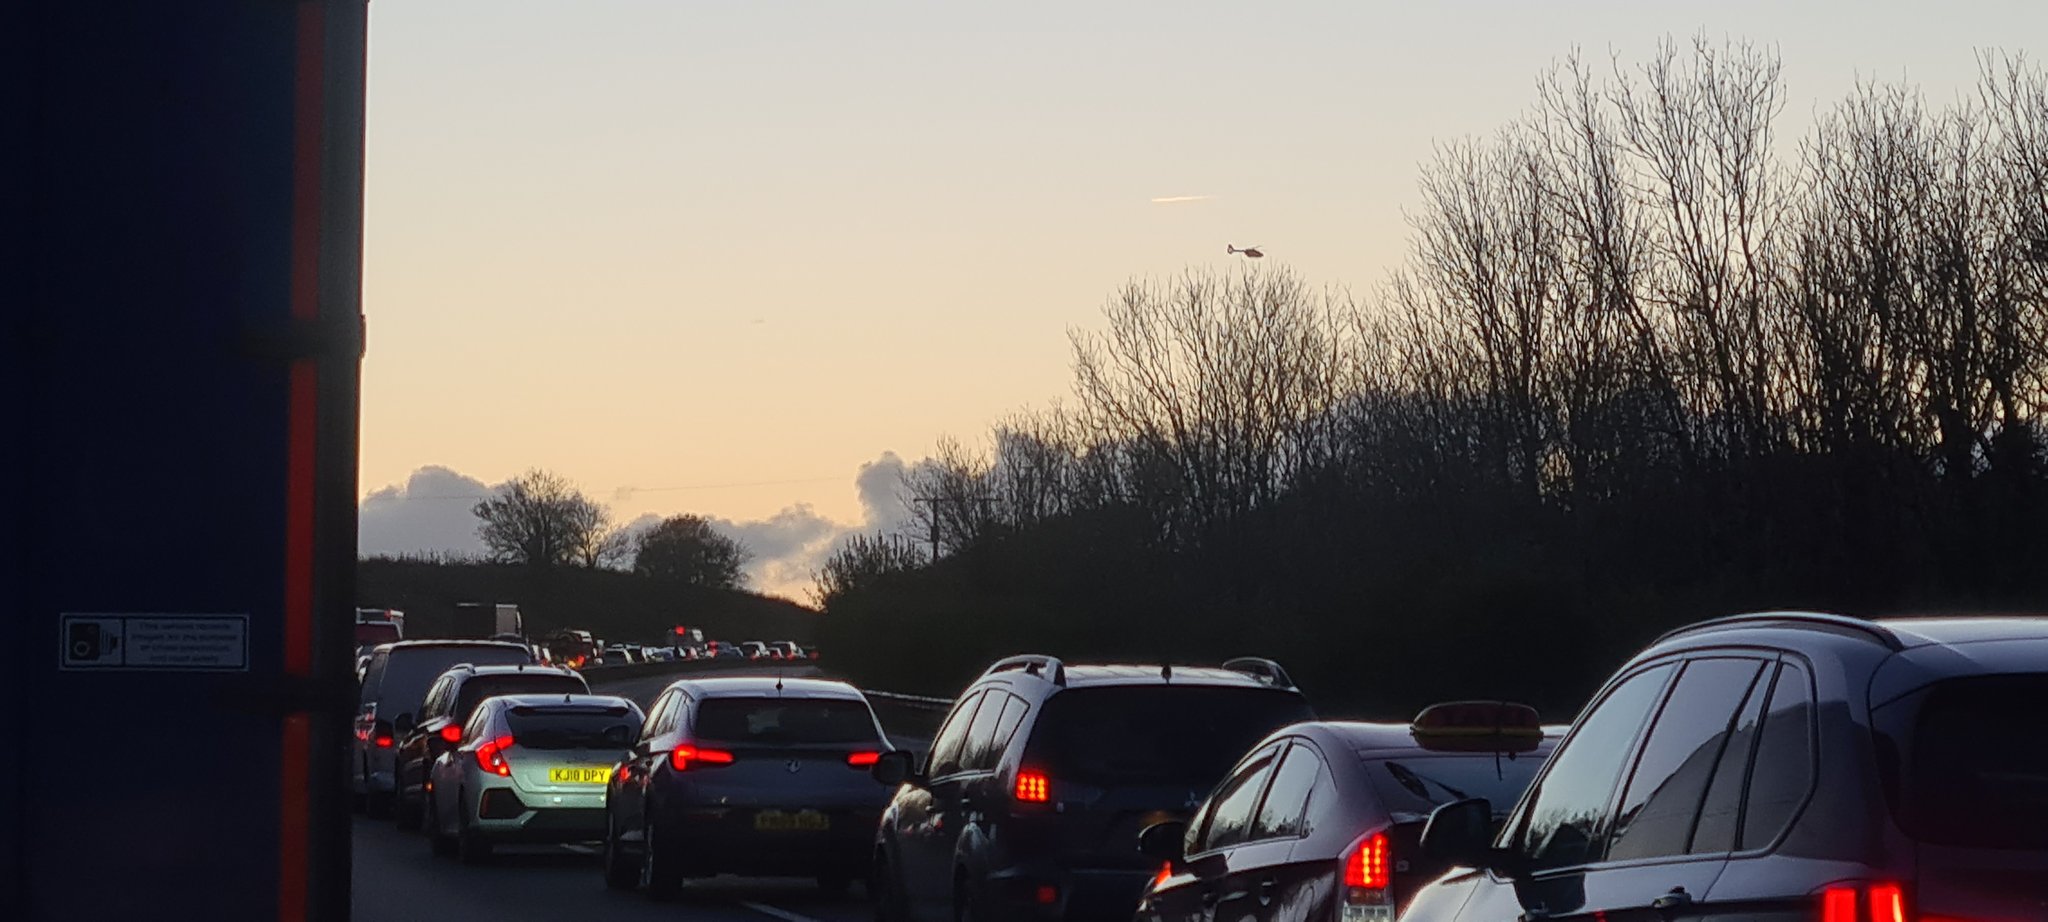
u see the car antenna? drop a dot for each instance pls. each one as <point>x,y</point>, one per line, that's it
<point>1166,671</point>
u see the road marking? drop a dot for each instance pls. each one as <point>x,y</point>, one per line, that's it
<point>582,849</point>
<point>783,914</point>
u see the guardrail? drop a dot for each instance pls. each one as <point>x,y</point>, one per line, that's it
<point>919,702</point>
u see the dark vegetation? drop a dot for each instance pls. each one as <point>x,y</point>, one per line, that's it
<point>612,604</point>
<point>1647,362</point>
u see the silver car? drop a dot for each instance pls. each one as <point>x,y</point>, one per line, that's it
<point>529,768</point>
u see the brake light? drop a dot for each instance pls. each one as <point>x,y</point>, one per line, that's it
<point>1882,902</point>
<point>1165,874</point>
<point>1046,894</point>
<point>863,759</point>
<point>451,733</point>
<point>680,757</point>
<point>1366,868</point>
<point>1033,787</point>
<point>380,735</point>
<point>491,756</point>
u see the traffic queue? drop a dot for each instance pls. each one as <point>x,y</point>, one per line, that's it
<point>1689,788</point>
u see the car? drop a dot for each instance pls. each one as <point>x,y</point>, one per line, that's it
<point>528,768</point>
<point>748,775</point>
<point>1324,817</point>
<point>395,681</point>
<point>754,650</point>
<point>1781,766</point>
<point>786,649</point>
<point>1042,776</point>
<point>449,702</point>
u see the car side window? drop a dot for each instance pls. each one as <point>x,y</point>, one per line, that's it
<point>1782,775</point>
<point>1662,800</point>
<point>1721,809</point>
<point>1568,816</point>
<point>981,751</point>
<point>652,727</point>
<point>1284,812</point>
<point>373,677</point>
<point>677,720</point>
<point>1229,812</point>
<point>479,724</point>
<point>1006,726</point>
<point>946,747</point>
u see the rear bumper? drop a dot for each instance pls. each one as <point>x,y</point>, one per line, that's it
<point>725,840</point>
<point>546,824</point>
<point>1078,893</point>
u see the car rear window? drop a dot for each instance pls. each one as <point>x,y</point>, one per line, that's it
<point>409,671</point>
<point>480,687</point>
<point>1421,783</point>
<point>573,727</point>
<point>1156,734</point>
<point>371,633</point>
<point>1972,762</point>
<point>785,720</point>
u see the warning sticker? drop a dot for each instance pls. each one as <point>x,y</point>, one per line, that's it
<point>154,642</point>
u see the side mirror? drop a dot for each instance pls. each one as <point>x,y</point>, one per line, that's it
<point>403,725</point>
<point>1461,833</point>
<point>894,768</point>
<point>1164,841</point>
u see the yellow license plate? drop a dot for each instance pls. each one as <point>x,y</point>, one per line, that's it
<point>579,775</point>
<point>800,821</point>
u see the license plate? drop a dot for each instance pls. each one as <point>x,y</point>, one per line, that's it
<point>800,821</point>
<point>579,775</point>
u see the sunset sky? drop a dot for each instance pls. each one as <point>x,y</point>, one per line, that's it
<point>729,253</point>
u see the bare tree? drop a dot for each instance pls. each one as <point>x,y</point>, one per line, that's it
<point>539,519</point>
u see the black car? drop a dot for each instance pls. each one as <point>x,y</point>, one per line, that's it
<point>1781,767</point>
<point>748,775</point>
<point>1031,800</point>
<point>450,701</point>
<point>1321,820</point>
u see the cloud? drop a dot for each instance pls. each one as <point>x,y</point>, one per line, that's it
<point>429,513</point>
<point>1180,199</point>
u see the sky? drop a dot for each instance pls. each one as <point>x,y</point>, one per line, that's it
<point>745,259</point>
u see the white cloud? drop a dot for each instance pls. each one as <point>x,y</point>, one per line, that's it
<point>429,513</point>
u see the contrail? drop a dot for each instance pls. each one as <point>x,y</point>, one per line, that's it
<point>1177,199</point>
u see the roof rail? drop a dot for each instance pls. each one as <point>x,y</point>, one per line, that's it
<point>1806,619</point>
<point>1260,668</point>
<point>1045,667</point>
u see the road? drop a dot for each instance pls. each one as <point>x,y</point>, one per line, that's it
<point>398,880</point>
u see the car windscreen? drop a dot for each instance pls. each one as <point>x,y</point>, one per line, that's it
<point>409,671</point>
<point>480,687</point>
<point>573,726</point>
<point>1970,762</point>
<point>785,720</point>
<point>1420,783</point>
<point>1156,734</point>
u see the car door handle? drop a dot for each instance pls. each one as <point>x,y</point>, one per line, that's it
<point>1676,899</point>
<point>1267,887</point>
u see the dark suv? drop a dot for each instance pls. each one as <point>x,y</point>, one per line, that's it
<point>1030,802</point>
<point>1783,766</point>
<point>450,701</point>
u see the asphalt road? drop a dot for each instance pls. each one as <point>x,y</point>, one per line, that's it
<point>397,879</point>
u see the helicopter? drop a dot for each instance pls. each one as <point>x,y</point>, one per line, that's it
<point>1252,252</point>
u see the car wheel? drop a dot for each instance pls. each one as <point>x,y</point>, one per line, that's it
<point>658,872</point>
<point>470,845</point>
<point>620,873</point>
<point>437,834</point>
<point>887,892</point>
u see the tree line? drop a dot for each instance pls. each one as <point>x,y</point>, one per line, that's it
<point>1647,360</point>
<point>541,520</point>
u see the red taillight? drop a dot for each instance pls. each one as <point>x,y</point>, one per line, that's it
<point>382,739</point>
<point>1883,902</point>
<point>1366,868</point>
<point>1165,874</point>
<point>682,756</point>
<point>1033,787</point>
<point>863,759</point>
<point>452,733</point>
<point>625,773</point>
<point>1047,894</point>
<point>491,756</point>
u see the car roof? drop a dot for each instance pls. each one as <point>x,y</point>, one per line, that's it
<point>398,645</point>
<point>1090,675</point>
<point>767,686</point>
<point>1381,739</point>
<point>485,669</point>
<point>530,700</point>
<point>1896,634</point>
<point>1949,630</point>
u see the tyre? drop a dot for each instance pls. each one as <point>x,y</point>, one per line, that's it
<point>470,845</point>
<point>437,835</point>
<point>620,871</point>
<point>887,893</point>
<point>659,872</point>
